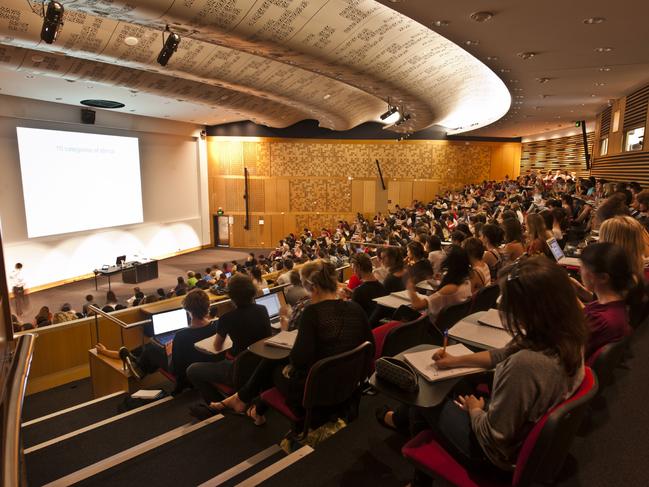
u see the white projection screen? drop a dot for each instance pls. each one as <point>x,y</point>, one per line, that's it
<point>75,181</point>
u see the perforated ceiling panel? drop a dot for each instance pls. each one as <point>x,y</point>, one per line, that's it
<point>275,62</point>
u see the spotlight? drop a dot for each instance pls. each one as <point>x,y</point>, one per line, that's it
<point>392,116</point>
<point>169,47</point>
<point>404,118</point>
<point>52,22</point>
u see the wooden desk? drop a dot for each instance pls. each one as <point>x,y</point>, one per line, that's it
<point>429,395</point>
<point>108,375</point>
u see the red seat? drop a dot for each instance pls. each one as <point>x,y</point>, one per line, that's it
<point>539,460</point>
<point>277,401</point>
<point>380,332</point>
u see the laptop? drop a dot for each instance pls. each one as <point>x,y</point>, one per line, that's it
<point>120,260</point>
<point>559,256</point>
<point>167,323</point>
<point>272,304</point>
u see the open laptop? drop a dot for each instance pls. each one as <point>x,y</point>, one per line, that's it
<point>559,256</point>
<point>272,304</point>
<point>167,323</point>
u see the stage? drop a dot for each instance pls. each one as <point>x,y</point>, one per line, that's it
<point>168,270</point>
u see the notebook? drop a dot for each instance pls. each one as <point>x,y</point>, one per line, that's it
<point>395,300</point>
<point>559,256</point>
<point>147,394</point>
<point>423,363</point>
<point>284,339</point>
<point>491,318</point>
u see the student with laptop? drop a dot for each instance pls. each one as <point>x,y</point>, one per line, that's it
<point>246,324</point>
<point>542,366</point>
<point>172,346</point>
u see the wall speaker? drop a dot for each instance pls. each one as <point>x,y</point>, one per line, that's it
<point>87,116</point>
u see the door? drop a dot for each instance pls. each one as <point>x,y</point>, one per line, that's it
<point>221,231</point>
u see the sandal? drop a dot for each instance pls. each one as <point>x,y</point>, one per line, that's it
<point>380,417</point>
<point>258,419</point>
<point>222,408</point>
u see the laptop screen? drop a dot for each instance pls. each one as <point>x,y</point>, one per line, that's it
<point>271,302</point>
<point>169,321</point>
<point>555,249</point>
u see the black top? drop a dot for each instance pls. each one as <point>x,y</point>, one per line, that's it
<point>393,284</point>
<point>245,325</point>
<point>421,270</point>
<point>328,328</point>
<point>183,353</point>
<point>365,293</point>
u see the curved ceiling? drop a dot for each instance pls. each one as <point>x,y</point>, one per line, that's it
<point>275,62</point>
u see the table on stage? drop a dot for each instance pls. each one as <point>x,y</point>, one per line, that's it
<point>132,272</point>
<point>429,394</point>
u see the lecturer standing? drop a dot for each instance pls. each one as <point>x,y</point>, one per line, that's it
<point>18,287</point>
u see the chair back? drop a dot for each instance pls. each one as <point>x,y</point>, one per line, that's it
<point>243,366</point>
<point>380,333</point>
<point>546,446</point>
<point>605,360</point>
<point>450,315</point>
<point>405,336</point>
<point>485,298</point>
<point>333,380</point>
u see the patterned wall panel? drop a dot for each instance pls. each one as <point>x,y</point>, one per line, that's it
<point>565,153</point>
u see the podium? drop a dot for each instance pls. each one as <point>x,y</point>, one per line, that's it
<point>137,272</point>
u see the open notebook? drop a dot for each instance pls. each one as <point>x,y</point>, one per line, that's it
<point>284,339</point>
<point>491,318</point>
<point>207,345</point>
<point>423,363</point>
<point>394,300</point>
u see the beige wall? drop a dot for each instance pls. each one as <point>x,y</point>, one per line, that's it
<point>297,183</point>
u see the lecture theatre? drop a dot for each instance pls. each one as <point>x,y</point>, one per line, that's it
<point>357,243</point>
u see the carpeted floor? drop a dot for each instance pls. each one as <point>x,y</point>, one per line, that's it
<point>168,270</point>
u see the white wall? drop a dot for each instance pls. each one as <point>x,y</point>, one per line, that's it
<point>174,192</point>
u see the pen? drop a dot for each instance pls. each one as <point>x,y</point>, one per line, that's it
<point>445,340</point>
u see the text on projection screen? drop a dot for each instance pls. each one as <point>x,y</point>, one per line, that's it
<point>76,181</point>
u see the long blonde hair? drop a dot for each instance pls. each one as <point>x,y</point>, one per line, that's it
<point>628,233</point>
<point>536,228</point>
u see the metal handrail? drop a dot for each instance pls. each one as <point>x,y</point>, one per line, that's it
<point>17,383</point>
<point>97,311</point>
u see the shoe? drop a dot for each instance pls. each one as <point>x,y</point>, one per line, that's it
<point>380,417</point>
<point>201,411</point>
<point>130,363</point>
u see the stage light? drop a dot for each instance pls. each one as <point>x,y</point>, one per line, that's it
<point>52,22</point>
<point>169,47</point>
<point>392,116</point>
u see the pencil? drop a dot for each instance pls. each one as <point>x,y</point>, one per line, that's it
<point>445,340</point>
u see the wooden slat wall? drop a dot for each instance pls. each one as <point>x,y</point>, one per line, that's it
<point>296,183</point>
<point>605,122</point>
<point>627,166</point>
<point>635,112</point>
<point>565,153</point>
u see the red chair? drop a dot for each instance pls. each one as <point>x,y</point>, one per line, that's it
<point>541,456</point>
<point>380,333</point>
<point>332,381</point>
<point>605,360</point>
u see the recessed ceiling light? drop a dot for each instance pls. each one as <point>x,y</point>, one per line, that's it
<point>472,43</point>
<point>37,58</point>
<point>597,83</point>
<point>603,49</point>
<point>481,16</point>
<point>543,80</point>
<point>526,55</point>
<point>492,58</point>
<point>504,70</point>
<point>131,41</point>
<point>593,95</point>
<point>520,96</point>
<point>29,76</point>
<point>594,20</point>
<point>326,97</point>
<point>604,69</point>
<point>131,110</point>
<point>517,89</point>
<point>71,80</point>
<point>513,81</point>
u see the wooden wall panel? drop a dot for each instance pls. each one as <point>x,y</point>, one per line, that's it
<point>297,182</point>
<point>565,153</point>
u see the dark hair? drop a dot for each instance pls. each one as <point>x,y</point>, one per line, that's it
<point>513,230</point>
<point>294,276</point>
<point>241,289</point>
<point>395,259</point>
<point>417,250</point>
<point>19,265</point>
<point>457,266</point>
<point>110,297</point>
<point>161,292</point>
<point>181,280</point>
<point>255,272</point>
<point>435,243</point>
<point>464,228</point>
<point>288,264</point>
<point>89,298</point>
<point>197,302</point>
<point>540,310</point>
<point>66,307</point>
<point>320,274</point>
<point>609,258</point>
<point>509,215</point>
<point>474,248</point>
<point>612,207</point>
<point>363,262</point>
<point>493,233</point>
<point>458,236</point>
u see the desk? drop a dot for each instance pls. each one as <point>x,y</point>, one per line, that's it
<point>112,270</point>
<point>206,345</point>
<point>108,376</point>
<point>140,271</point>
<point>269,352</point>
<point>429,395</point>
<point>472,333</point>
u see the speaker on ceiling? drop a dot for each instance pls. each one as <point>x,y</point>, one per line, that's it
<point>87,116</point>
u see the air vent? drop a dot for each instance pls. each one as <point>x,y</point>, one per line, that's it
<point>102,104</point>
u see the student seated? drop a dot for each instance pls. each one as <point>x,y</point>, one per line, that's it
<point>479,275</point>
<point>454,288</point>
<point>537,235</point>
<point>419,267</point>
<point>606,273</point>
<point>90,301</point>
<point>178,354</point>
<point>295,292</point>
<point>539,368</point>
<point>369,288</point>
<point>435,253</point>
<point>328,326</point>
<point>492,237</point>
<point>513,239</point>
<point>111,302</point>
<point>245,325</point>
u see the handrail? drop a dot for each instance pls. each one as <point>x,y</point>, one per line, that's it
<point>94,308</point>
<point>16,384</point>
